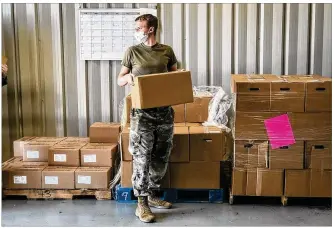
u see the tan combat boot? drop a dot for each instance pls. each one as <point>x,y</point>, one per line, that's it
<point>143,211</point>
<point>154,201</point>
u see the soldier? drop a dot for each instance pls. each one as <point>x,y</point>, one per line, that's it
<point>151,133</point>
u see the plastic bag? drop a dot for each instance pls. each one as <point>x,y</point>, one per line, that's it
<point>218,106</point>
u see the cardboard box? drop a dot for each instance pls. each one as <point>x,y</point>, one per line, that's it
<point>58,177</point>
<point>165,89</point>
<point>22,177</point>
<point>318,94</point>
<point>18,145</point>
<point>104,132</point>
<point>311,126</point>
<point>252,92</point>
<point>180,151</point>
<point>269,182</point>
<point>287,157</point>
<point>250,125</point>
<point>321,183</point>
<point>257,182</point>
<point>297,183</point>
<point>200,175</point>
<point>37,151</point>
<point>319,155</point>
<point>239,181</point>
<point>98,154</point>
<point>64,155</point>
<point>250,154</point>
<point>92,177</point>
<point>76,140</point>
<point>126,176</point>
<point>179,113</point>
<point>198,110</point>
<point>287,95</point>
<point>126,156</point>
<point>127,110</point>
<point>207,144</point>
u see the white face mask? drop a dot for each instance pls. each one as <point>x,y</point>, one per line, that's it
<point>141,36</point>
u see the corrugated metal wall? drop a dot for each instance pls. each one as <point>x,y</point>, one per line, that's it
<point>51,92</point>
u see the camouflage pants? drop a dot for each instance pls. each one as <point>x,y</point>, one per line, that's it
<point>151,142</point>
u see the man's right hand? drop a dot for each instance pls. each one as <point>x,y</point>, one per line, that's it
<point>129,78</point>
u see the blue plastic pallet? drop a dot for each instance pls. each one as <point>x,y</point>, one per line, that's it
<point>125,195</point>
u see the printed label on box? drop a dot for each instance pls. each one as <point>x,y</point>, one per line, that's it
<point>32,154</point>
<point>84,179</point>
<point>60,157</point>
<point>51,180</point>
<point>20,179</point>
<point>90,158</point>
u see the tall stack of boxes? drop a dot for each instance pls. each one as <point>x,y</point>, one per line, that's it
<point>64,163</point>
<point>197,150</point>
<point>302,169</point>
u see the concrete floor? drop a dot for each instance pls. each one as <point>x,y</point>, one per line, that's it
<point>90,212</point>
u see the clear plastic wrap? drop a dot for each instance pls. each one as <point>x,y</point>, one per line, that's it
<point>218,106</point>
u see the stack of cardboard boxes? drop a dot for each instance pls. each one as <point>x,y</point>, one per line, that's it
<point>64,163</point>
<point>197,150</point>
<point>302,169</point>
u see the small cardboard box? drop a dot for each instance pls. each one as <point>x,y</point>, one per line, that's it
<point>318,93</point>
<point>165,89</point>
<point>98,154</point>
<point>93,177</point>
<point>252,91</point>
<point>319,155</point>
<point>65,155</point>
<point>104,132</point>
<point>269,182</point>
<point>200,175</point>
<point>250,154</point>
<point>22,177</point>
<point>287,95</point>
<point>321,183</point>
<point>126,176</point>
<point>207,144</point>
<point>311,126</point>
<point>297,183</point>
<point>180,151</point>
<point>198,111</point>
<point>58,177</point>
<point>257,182</point>
<point>18,145</point>
<point>250,125</point>
<point>37,151</point>
<point>287,157</point>
<point>125,137</point>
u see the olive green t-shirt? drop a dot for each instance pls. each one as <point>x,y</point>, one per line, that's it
<point>142,59</point>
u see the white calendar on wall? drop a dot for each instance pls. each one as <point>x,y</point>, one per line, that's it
<point>105,34</point>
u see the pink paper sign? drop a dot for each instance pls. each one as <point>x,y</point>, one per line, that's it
<point>279,131</point>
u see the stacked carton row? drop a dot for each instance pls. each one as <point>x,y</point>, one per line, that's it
<point>299,169</point>
<point>63,163</point>
<point>197,150</point>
